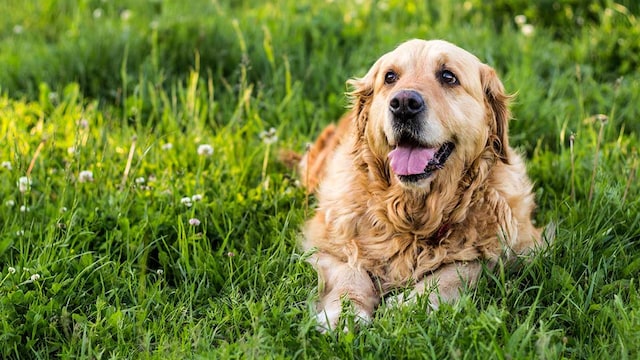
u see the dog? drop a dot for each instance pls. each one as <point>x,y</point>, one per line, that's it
<point>417,185</point>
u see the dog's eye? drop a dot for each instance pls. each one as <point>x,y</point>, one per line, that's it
<point>390,77</point>
<point>447,77</point>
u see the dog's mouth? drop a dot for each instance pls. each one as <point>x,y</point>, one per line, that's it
<point>412,162</point>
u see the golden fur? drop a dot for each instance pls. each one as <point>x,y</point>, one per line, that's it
<point>374,232</point>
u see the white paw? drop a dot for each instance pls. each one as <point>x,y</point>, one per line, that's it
<point>361,318</point>
<point>401,299</point>
<point>410,298</point>
<point>327,319</point>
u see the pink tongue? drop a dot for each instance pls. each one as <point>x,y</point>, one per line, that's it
<point>410,160</point>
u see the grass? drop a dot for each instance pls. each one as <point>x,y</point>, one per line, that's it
<point>122,272</point>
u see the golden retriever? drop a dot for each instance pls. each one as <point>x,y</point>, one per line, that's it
<point>417,184</point>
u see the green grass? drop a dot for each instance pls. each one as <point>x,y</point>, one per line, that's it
<point>104,86</point>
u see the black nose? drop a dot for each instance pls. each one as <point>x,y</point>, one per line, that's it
<point>406,104</point>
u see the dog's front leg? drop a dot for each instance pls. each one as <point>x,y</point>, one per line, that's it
<point>444,284</point>
<point>338,281</point>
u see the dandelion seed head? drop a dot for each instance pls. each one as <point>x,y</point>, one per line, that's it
<point>186,201</point>
<point>85,176</point>
<point>10,203</point>
<point>602,118</point>
<point>18,29</point>
<point>520,19</point>
<point>35,277</point>
<point>527,29</point>
<point>24,184</point>
<point>269,136</point>
<point>97,13</point>
<point>205,150</point>
<point>125,15</point>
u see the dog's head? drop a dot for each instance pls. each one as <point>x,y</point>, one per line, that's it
<point>430,105</point>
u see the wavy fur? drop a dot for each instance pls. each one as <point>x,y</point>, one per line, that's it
<point>373,233</point>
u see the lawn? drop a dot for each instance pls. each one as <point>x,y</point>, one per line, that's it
<point>144,213</point>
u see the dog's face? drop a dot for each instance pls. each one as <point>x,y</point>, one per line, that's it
<point>428,106</point>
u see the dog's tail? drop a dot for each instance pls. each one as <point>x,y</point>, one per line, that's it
<point>311,165</point>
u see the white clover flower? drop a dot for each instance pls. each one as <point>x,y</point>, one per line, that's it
<point>83,123</point>
<point>159,271</point>
<point>18,29</point>
<point>140,180</point>
<point>154,25</point>
<point>125,15</point>
<point>7,165</point>
<point>231,254</point>
<point>205,150</point>
<point>11,270</point>
<point>196,197</point>
<point>10,203</point>
<point>63,209</point>
<point>520,20</point>
<point>20,232</point>
<point>269,136</point>
<point>97,13</point>
<point>527,29</point>
<point>35,277</point>
<point>24,208</point>
<point>194,222</point>
<point>24,184</point>
<point>71,150</point>
<point>85,176</point>
<point>186,201</point>
<point>167,146</point>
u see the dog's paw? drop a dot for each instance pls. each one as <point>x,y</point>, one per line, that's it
<point>361,318</point>
<point>411,298</point>
<point>328,319</point>
<point>401,299</point>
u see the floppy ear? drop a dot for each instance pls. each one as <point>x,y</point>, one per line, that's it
<point>361,95</point>
<point>497,102</point>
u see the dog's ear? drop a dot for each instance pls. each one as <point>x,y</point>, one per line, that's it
<point>361,95</point>
<point>497,102</point>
